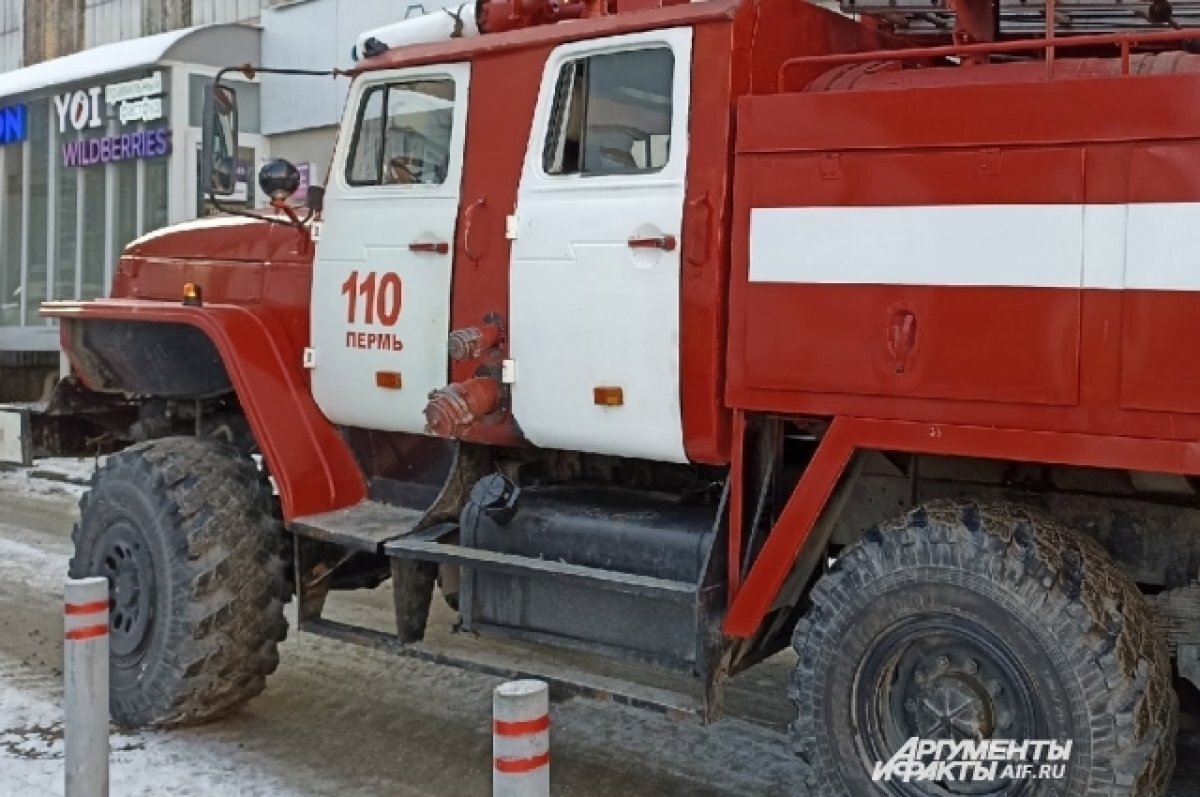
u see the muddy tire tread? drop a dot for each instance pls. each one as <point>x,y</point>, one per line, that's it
<point>1102,620</point>
<point>228,578</point>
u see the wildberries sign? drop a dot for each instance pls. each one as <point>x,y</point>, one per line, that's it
<point>129,146</point>
<point>129,102</point>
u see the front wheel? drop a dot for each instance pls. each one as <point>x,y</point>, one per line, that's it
<point>184,531</point>
<point>962,623</point>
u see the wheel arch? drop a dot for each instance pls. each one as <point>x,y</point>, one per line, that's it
<point>174,351</point>
<point>791,553</point>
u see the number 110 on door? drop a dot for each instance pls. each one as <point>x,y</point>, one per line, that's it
<point>382,297</point>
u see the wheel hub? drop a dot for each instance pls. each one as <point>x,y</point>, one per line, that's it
<point>951,684</point>
<point>955,709</point>
<point>121,557</point>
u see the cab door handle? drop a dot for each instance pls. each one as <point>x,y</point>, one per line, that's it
<point>433,247</point>
<point>667,243</point>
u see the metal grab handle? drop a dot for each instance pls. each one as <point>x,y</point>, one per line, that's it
<point>436,247</point>
<point>667,243</point>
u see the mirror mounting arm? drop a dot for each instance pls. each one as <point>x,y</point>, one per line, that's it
<point>250,72</point>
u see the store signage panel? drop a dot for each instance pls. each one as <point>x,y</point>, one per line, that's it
<point>112,149</point>
<point>129,102</point>
<point>14,124</point>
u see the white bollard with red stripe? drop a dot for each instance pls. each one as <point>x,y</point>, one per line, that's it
<point>85,670</point>
<point>521,740</point>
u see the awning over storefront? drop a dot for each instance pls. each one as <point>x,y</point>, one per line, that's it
<point>212,45</point>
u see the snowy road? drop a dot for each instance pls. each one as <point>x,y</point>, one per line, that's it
<point>338,719</point>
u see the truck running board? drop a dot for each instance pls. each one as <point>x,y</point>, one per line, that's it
<point>363,527</point>
<point>635,577</point>
<point>513,565</point>
<point>564,681</point>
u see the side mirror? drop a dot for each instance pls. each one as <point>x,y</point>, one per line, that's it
<point>218,155</point>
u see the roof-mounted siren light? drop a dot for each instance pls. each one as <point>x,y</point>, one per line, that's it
<point>442,25</point>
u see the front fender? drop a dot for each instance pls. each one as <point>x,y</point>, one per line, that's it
<point>171,350</point>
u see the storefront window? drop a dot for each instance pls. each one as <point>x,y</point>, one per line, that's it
<point>66,228</point>
<point>126,210</point>
<point>157,189</point>
<point>10,274</point>
<point>76,195</point>
<point>95,221</point>
<point>39,192</point>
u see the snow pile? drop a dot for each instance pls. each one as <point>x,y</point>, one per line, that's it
<point>50,478</point>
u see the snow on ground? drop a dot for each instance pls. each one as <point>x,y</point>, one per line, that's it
<point>335,719</point>
<point>49,477</point>
<point>141,763</point>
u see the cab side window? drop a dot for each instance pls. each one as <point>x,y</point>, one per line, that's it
<point>402,136</point>
<point>612,114</point>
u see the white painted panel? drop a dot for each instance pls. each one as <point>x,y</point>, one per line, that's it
<point>1140,246</point>
<point>12,444</point>
<point>983,245</point>
<point>369,228</point>
<point>1161,252</point>
<point>587,310</point>
<point>1104,246</point>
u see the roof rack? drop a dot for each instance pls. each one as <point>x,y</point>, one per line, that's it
<point>1123,41</point>
<point>1028,17</point>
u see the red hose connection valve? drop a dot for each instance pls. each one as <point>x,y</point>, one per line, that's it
<point>453,409</point>
<point>473,342</point>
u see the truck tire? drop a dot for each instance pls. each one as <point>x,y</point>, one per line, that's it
<point>959,621</point>
<point>184,529</point>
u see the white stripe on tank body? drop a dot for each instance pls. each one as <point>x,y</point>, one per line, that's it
<point>1146,246</point>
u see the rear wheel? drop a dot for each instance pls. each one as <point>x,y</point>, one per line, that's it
<point>184,531</point>
<point>961,622</point>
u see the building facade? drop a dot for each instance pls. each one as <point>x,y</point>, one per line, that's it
<point>300,116</point>
<point>101,106</point>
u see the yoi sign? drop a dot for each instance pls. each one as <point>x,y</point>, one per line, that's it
<point>132,101</point>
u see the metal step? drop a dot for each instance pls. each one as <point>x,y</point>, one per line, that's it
<point>511,564</point>
<point>564,680</point>
<point>363,527</point>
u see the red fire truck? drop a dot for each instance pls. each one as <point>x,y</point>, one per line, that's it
<point>680,333</point>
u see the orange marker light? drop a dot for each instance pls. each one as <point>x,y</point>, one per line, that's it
<point>608,396</point>
<point>191,295</point>
<point>388,379</point>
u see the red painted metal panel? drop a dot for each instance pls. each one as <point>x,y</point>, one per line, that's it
<point>998,344</point>
<point>504,91</point>
<point>1159,326</point>
<point>980,175</point>
<point>958,114</point>
<point>311,463</point>
<point>705,265</point>
<point>1158,371</point>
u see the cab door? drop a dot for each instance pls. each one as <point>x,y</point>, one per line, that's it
<point>595,273</point>
<point>384,257</point>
